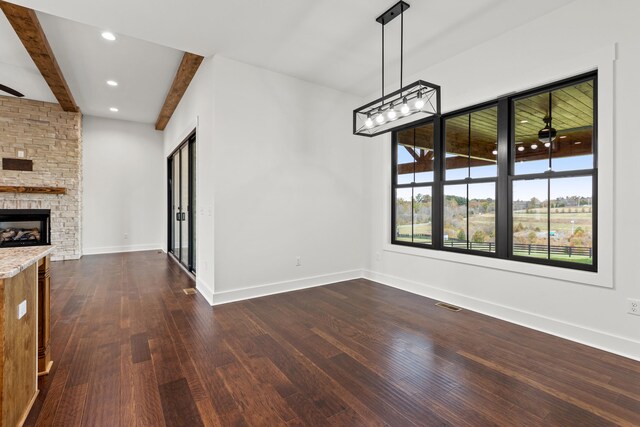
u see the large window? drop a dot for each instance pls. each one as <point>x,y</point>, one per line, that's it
<point>414,173</point>
<point>513,179</point>
<point>470,176</point>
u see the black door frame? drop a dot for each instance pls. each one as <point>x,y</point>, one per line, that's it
<point>191,207</point>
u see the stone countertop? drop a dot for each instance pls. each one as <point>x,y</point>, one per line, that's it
<point>15,260</point>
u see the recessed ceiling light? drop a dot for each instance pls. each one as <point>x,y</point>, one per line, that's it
<point>521,148</point>
<point>534,146</point>
<point>562,137</point>
<point>524,121</point>
<point>108,36</point>
<point>113,109</point>
<point>578,142</point>
<point>112,83</point>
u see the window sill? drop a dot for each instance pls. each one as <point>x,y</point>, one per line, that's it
<point>599,279</point>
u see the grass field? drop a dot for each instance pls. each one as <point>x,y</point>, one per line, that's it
<point>557,257</point>
<point>560,222</point>
<point>418,229</point>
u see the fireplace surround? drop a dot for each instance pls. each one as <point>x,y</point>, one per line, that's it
<point>25,227</point>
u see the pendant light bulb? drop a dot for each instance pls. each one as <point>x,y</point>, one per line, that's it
<point>419,101</point>
<point>380,118</point>
<point>368,123</point>
<point>405,107</point>
<point>391,114</point>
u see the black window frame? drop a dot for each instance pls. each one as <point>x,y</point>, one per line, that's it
<point>436,216</point>
<point>468,180</point>
<point>504,180</point>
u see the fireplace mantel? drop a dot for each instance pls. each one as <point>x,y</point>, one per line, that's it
<point>32,190</point>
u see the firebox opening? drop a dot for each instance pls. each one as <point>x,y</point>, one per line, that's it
<point>24,227</point>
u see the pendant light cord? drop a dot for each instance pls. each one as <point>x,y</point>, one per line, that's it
<point>401,43</point>
<point>383,24</point>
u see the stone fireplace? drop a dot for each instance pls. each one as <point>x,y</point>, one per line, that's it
<point>51,138</point>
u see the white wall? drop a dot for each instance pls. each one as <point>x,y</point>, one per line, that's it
<point>278,176</point>
<point>569,41</point>
<point>288,182</point>
<point>195,111</point>
<point>123,186</point>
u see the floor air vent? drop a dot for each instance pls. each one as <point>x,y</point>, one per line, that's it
<point>449,307</point>
<point>189,291</point>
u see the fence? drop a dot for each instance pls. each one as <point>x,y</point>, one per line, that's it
<point>529,249</point>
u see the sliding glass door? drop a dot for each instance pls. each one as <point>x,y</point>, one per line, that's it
<point>181,197</point>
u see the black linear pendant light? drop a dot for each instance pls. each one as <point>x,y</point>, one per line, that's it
<point>406,105</point>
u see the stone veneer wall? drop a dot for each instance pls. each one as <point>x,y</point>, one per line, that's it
<point>51,138</point>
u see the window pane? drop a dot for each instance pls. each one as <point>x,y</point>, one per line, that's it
<point>530,218</point>
<point>405,162</point>
<point>457,148</point>
<point>422,215</point>
<point>555,130</point>
<point>471,145</point>
<point>404,215</point>
<point>415,154</point>
<point>572,219</point>
<point>482,217</point>
<point>572,109</point>
<point>531,155</point>
<point>484,143</point>
<point>455,216</point>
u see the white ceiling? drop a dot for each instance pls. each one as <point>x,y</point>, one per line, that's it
<point>144,71</point>
<point>334,43</point>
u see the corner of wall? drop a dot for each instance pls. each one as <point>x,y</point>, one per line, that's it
<point>205,290</point>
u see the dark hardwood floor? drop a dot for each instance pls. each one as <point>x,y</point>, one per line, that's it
<point>130,348</point>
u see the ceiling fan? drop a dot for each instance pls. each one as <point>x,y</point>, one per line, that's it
<point>8,90</point>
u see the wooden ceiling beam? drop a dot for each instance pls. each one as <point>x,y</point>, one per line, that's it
<point>187,69</point>
<point>27,26</point>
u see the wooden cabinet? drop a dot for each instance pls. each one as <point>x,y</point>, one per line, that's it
<point>24,349</point>
<point>19,361</point>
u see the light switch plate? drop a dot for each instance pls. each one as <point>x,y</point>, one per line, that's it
<point>22,309</point>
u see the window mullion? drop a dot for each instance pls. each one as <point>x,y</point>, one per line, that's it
<point>437,194</point>
<point>503,196</point>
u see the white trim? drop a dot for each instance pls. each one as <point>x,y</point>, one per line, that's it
<point>128,248</point>
<point>65,257</point>
<point>285,286</point>
<point>193,125</point>
<point>603,60</point>
<point>623,346</point>
<point>204,290</point>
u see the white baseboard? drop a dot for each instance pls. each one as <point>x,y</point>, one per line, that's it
<point>614,344</point>
<point>286,286</point>
<point>205,290</point>
<point>116,249</point>
<point>65,257</point>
